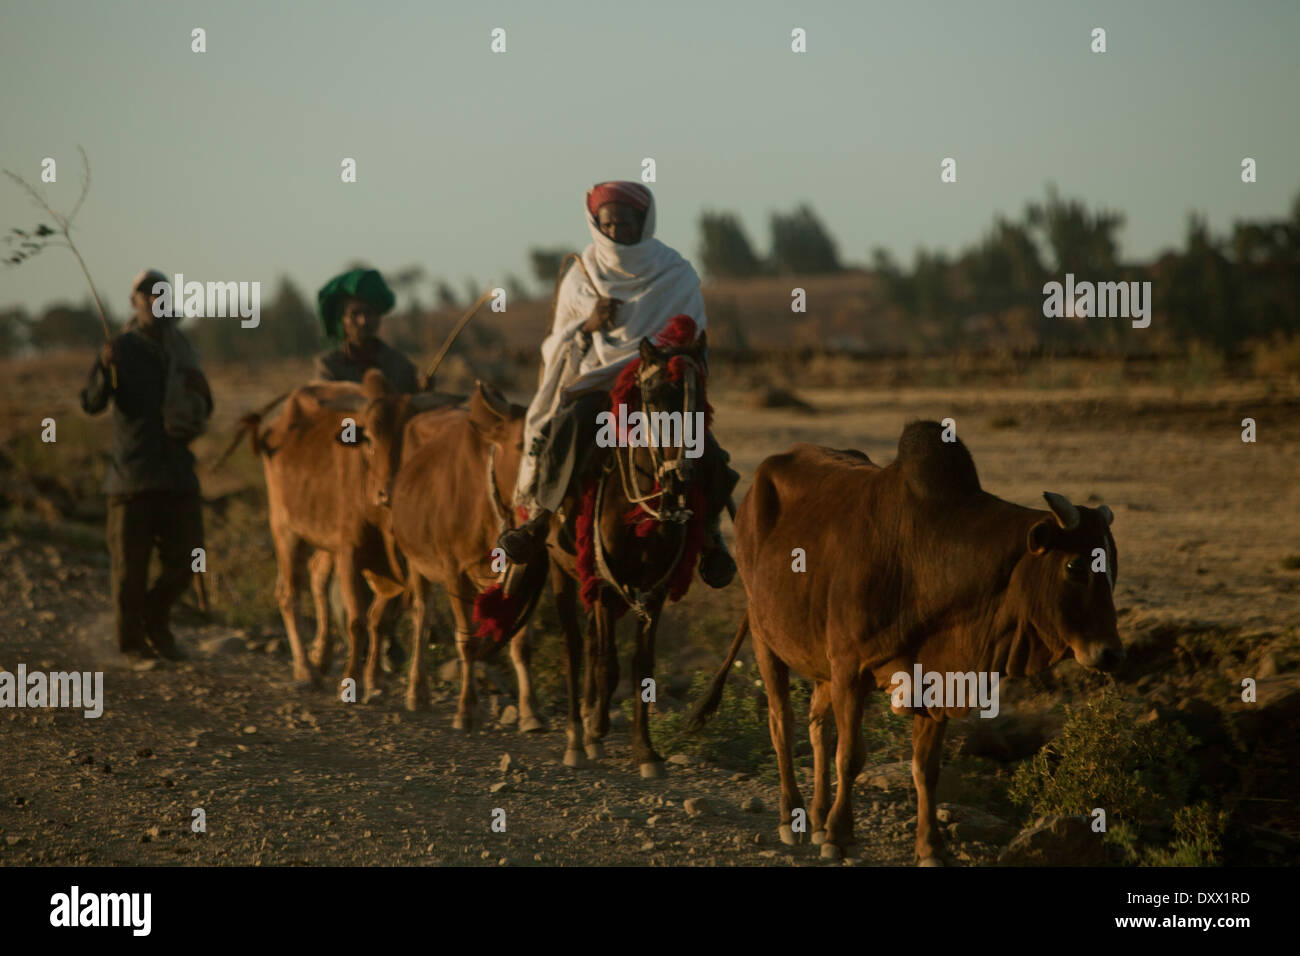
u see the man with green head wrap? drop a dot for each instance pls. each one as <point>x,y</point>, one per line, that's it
<point>350,308</point>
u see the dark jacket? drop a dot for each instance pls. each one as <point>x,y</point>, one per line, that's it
<point>337,366</point>
<point>145,457</point>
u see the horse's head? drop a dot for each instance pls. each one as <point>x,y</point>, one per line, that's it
<point>672,385</point>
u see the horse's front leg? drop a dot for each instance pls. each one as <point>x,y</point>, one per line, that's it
<point>645,691</point>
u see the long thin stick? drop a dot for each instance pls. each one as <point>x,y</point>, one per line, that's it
<point>446,346</point>
<point>65,224</point>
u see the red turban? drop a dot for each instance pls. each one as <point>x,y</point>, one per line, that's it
<point>633,194</point>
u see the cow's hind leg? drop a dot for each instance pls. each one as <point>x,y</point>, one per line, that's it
<point>521,653</point>
<point>850,752</point>
<point>780,720</point>
<point>566,608</point>
<point>643,663</point>
<point>819,732</point>
<point>927,751</point>
<point>321,567</point>
<point>384,590</point>
<point>290,552</point>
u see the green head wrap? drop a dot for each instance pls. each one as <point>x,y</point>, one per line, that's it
<point>365,284</point>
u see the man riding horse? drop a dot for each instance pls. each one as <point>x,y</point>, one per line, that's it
<point>627,287</point>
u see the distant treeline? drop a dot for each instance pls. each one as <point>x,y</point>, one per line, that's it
<point>1217,291</point>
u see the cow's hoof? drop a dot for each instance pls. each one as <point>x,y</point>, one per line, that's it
<point>595,750</point>
<point>819,837</point>
<point>789,837</point>
<point>530,725</point>
<point>416,703</point>
<point>930,861</point>
<point>372,695</point>
<point>574,757</point>
<point>461,722</point>
<point>652,770</point>
<point>830,851</point>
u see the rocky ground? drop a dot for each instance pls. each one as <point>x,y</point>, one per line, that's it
<point>290,777</point>
<point>1209,591</point>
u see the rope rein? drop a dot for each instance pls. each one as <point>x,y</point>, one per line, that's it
<point>677,517</point>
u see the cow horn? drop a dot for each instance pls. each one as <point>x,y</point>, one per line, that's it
<point>1067,515</point>
<point>494,399</point>
<point>1107,515</point>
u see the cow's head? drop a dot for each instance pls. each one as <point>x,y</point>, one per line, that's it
<point>1067,582</point>
<point>380,415</point>
<point>499,423</point>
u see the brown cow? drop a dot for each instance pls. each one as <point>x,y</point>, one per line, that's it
<point>908,564</point>
<point>330,459</point>
<point>446,519</point>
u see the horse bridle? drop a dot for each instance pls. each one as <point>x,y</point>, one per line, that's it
<point>628,475</point>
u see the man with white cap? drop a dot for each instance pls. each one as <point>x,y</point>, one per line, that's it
<point>629,286</point>
<point>161,402</point>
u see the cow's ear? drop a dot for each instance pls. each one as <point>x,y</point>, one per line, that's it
<point>1039,538</point>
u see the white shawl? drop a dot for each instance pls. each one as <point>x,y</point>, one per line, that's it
<point>653,284</point>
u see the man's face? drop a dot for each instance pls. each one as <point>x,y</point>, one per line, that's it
<point>360,322</point>
<point>142,305</point>
<point>620,222</point>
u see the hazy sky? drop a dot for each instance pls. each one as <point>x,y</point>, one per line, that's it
<point>225,165</point>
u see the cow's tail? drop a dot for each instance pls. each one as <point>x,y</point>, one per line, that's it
<point>706,708</point>
<point>249,423</point>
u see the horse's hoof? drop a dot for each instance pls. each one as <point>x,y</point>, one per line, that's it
<point>819,837</point>
<point>530,725</point>
<point>372,695</point>
<point>930,861</point>
<point>595,750</point>
<point>575,758</point>
<point>461,722</point>
<point>831,852</point>
<point>789,837</point>
<point>652,770</point>
<point>416,703</point>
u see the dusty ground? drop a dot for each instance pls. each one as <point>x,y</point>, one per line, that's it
<point>1203,525</point>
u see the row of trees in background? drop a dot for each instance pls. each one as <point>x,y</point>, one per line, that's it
<point>800,245</point>
<point>1218,290</point>
<point>1221,291</point>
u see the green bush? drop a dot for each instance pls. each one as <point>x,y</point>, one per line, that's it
<point>1105,758</point>
<point>1198,840</point>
